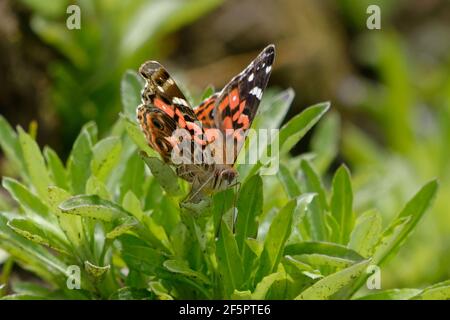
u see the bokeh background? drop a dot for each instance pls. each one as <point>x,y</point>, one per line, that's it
<point>389,88</point>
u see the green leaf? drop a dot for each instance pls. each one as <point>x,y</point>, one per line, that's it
<point>139,256</point>
<point>10,145</point>
<point>252,251</point>
<point>20,296</point>
<point>130,91</point>
<point>94,186</point>
<point>333,228</point>
<point>223,201</point>
<point>405,222</point>
<point>35,163</point>
<point>400,228</point>
<point>181,267</point>
<point>288,182</point>
<point>315,216</point>
<point>30,202</point>
<point>159,290</point>
<point>393,294</point>
<point>32,289</point>
<point>133,176</point>
<point>71,225</point>
<point>229,261</point>
<point>366,233</point>
<point>273,110</point>
<point>35,210</point>
<point>328,286</point>
<point>299,266</point>
<point>325,141</point>
<point>341,204</point>
<point>313,184</point>
<point>324,248</point>
<point>298,126</point>
<point>127,224</point>
<point>276,238</point>
<point>262,288</point>
<point>30,255</point>
<point>105,157</point>
<point>164,174</point>
<point>96,271</point>
<point>384,245</point>
<point>33,232</point>
<point>155,232</point>
<point>249,206</point>
<point>299,230</point>
<point>208,92</point>
<point>324,262</point>
<point>93,207</point>
<point>167,214</point>
<point>255,246</point>
<point>57,171</point>
<point>241,295</point>
<point>128,293</point>
<point>439,291</point>
<point>80,159</point>
<point>298,277</point>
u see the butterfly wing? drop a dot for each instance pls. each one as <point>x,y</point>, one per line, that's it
<point>205,111</point>
<point>162,92</point>
<point>164,109</point>
<point>237,103</point>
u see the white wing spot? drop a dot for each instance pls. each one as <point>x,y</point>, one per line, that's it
<point>170,81</point>
<point>268,69</point>
<point>250,77</point>
<point>257,92</point>
<point>181,101</point>
<point>160,89</point>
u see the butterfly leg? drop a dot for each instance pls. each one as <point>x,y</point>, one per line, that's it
<point>198,190</point>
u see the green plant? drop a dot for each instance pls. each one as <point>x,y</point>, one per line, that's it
<point>124,228</point>
<point>409,111</point>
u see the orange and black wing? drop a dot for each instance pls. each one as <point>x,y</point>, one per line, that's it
<point>164,109</point>
<point>237,104</point>
<point>205,111</point>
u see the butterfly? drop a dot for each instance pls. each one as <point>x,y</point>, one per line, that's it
<point>225,116</point>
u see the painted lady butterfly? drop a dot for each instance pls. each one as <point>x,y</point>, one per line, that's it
<point>230,112</point>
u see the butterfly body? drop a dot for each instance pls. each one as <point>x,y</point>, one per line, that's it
<point>209,178</point>
<point>216,128</point>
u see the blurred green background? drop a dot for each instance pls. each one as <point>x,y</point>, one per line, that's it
<point>389,88</point>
